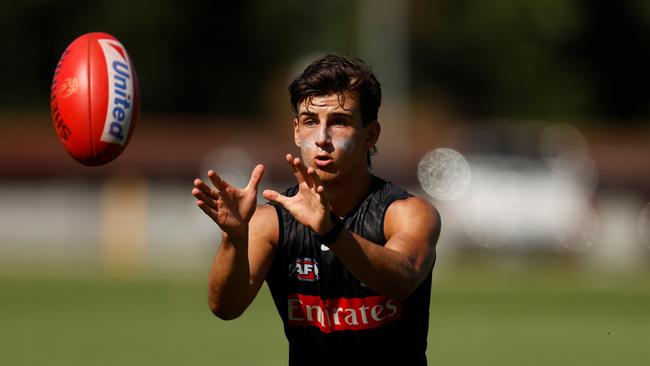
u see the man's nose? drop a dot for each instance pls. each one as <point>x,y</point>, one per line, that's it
<point>323,137</point>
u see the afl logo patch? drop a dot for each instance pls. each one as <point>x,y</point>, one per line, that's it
<point>304,269</point>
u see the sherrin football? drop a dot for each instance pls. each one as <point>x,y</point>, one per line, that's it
<point>95,99</point>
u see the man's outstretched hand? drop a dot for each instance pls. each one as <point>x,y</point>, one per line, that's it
<point>231,208</point>
<point>310,205</point>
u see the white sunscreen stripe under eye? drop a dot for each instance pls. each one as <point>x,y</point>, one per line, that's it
<point>306,141</point>
<point>340,143</point>
<point>343,143</point>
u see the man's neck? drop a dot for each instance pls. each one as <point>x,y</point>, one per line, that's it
<point>345,194</point>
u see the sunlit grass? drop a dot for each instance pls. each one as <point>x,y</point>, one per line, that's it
<point>479,316</point>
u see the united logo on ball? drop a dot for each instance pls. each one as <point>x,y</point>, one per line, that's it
<point>95,99</point>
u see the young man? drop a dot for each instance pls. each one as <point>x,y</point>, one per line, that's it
<point>347,256</point>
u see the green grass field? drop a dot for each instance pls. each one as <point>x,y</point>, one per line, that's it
<point>478,317</point>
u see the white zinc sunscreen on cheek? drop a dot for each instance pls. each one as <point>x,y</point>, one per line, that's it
<point>343,143</point>
<point>318,140</point>
<point>306,142</point>
<point>311,140</point>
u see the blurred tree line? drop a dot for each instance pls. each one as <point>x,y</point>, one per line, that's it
<point>584,59</point>
<point>577,59</point>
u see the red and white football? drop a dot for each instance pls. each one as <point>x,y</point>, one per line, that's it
<point>95,98</point>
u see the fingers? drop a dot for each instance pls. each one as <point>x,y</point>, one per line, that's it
<point>299,171</point>
<point>207,195</point>
<point>313,176</point>
<point>210,200</point>
<point>217,181</point>
<point>318,186</point>
<point>295,168</point>
<point>274,196</point>
<point>211,212</point>
<point>201,190</point>
<point>256,177</point>
<point>206,198</point>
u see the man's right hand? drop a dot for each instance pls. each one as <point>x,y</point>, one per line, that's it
<point>231,208</point>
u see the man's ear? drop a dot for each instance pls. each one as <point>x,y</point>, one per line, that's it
<point>296,130</point>
<point>374,129</point>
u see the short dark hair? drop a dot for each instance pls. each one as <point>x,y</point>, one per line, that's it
<point>334,74</point>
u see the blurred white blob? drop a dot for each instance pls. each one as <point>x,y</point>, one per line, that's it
<point>444,174</point>
<point>644,225</point>
<point>505,202</point>
<point>233,164</point>
<point>520,202</point>
<point>559,138</point>
<point>564,150</point>
<point>575,224</point>
<point>490,220</point>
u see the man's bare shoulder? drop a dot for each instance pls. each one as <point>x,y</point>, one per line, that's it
<point>266,212</point>
<point>412,213</point>
<point>413,205</point>
<point>265,225</point>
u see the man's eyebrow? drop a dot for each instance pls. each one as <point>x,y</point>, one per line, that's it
<point>335,114</point>
<point>342,114</point>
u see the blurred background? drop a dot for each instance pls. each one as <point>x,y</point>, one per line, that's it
<point>525,122</point>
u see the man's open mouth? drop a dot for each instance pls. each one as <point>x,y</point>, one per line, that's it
<point>323,160</point>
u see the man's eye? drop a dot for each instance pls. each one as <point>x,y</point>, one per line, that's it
<point>339,122</point>
<point>310,122</point>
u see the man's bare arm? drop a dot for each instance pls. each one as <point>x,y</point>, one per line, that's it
<point>247,245</point>
<point>412,227</point>
<point>239,269</point>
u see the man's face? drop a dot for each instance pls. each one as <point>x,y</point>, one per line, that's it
<point>330,134</point>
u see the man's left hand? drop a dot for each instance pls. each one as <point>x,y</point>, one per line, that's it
<point>310,205</point>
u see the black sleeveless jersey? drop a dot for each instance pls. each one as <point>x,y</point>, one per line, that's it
<point>329,316</point>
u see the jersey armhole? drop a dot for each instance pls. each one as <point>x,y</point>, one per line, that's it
<point>281,234</point>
